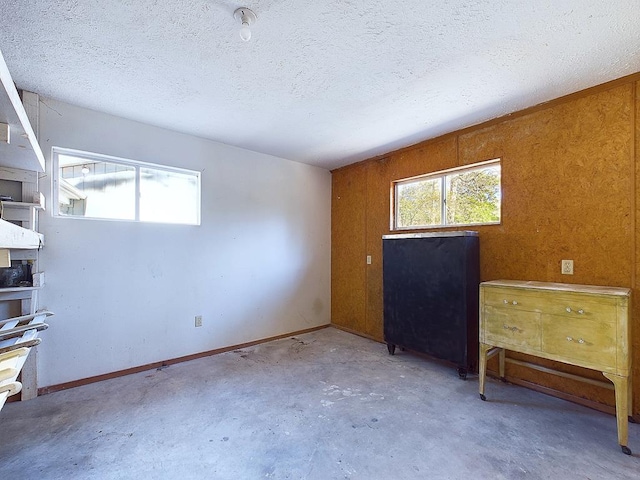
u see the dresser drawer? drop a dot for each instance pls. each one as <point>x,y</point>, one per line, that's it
<point>584,342</point>
<point>600,309</point>
<point>510,327</point>
<point>512,299</point>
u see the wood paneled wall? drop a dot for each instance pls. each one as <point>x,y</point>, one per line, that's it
<point>569,170</point>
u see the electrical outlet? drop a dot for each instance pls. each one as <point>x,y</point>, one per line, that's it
<point>567,267</point>
<point>198,320</point>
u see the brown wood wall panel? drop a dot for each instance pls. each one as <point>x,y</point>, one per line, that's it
<point>378,205</point>
<point>348,232</point>
<point>429,157</point>
<point>569,192</point>
<point>566,174</point>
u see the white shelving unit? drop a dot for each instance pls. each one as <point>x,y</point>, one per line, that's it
<point>21,160</point>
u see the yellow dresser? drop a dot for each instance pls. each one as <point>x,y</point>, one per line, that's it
<point>582,325</point>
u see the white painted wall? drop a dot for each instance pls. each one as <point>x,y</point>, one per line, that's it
<point>126,294</point>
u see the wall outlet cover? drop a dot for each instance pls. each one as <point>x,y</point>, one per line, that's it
<point>567,267</point>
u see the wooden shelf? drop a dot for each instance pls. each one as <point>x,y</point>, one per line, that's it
<point>22,151</point>
<point>22,204</point>
<point>18,293</point>
<point>23,214</point>
<point>18,289</point>
<point>13,236</point>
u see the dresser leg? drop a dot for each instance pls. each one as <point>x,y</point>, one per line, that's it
<point>621,386</point>
<point>501,357</point>
<point>482,368</point>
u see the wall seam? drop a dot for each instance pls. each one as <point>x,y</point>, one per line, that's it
<point>633,407</point>
<point>366,247</point>
<point>633,182</point>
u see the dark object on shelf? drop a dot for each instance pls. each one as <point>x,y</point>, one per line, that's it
<point>431,284</point>
<point>16,276</point>
<point>6,198</point>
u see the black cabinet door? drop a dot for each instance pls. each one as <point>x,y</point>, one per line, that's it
<point>431,295</point>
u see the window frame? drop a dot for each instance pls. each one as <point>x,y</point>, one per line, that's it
<point>99,157</point>
<point>441,175</point>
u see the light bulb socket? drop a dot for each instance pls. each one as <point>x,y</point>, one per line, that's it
<point>246,17</point>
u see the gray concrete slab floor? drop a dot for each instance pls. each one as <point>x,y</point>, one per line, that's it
<point>324,405</point>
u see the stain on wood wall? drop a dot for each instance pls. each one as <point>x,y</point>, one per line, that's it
<point>569,192</point>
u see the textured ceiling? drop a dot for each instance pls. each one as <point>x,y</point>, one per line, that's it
<point>321,82</point>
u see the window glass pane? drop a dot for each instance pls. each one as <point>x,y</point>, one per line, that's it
<point>168,197</point>
<point>97,186</point>
<point>473,196</point>
<point>419,203</point>
<point>90,188</point>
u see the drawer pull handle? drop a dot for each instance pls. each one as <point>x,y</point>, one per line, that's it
<point>507,327</point>
<point>581,311</point>
<point>514,302</point>
<point>580,340</point>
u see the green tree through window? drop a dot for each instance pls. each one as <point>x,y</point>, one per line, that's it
<point>468,196</point>
<point>473,197</point>
<point>419,203</point>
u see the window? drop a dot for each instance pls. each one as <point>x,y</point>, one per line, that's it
<point>467,196</point>
<point>89,185</point>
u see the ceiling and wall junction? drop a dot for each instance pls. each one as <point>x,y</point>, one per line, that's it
<point>326,82</point>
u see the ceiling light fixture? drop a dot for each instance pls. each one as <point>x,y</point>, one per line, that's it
<point>246,18</point>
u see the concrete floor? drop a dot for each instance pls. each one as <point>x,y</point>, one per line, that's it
<point>324,405</point>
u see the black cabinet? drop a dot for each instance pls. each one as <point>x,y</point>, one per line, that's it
<point>431,286</point>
